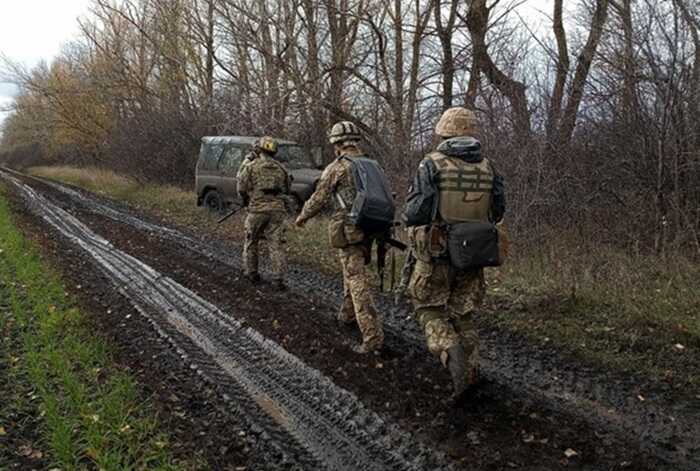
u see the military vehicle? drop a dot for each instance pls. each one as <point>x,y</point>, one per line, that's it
<point>220,157</point>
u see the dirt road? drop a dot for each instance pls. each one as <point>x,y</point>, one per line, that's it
<point>283,366</point>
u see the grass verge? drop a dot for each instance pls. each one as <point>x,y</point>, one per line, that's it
<point>91,415</point>
<point>634,314</point>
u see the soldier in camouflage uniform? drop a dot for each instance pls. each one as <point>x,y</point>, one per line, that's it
<point>263,185</point>
<point>336,183</point>
<point>453,183</point>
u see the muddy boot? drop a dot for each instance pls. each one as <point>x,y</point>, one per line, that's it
<point>457,365</point>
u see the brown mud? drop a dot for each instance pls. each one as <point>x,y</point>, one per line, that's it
<point>497,429</point>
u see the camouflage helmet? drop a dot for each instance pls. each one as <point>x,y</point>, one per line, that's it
<point>266,144</point>
<point>343,131</point>
<point>457,121</point>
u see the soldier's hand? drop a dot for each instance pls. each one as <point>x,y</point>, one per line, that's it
<point>299,222</point>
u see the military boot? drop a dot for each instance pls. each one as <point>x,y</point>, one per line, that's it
<point>457,365</point>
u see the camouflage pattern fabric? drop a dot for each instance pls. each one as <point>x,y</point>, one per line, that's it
<point>444,300</point>
<point>266,182</point>
<point>357,300</point>
<point>357,305</point>
<point>406,274</point>
<point>336,179</point>
<point>272,227</point>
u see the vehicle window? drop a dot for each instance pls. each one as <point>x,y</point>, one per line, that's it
<point>231,160</point>
<point>210,156</point>
<point>294,156</point>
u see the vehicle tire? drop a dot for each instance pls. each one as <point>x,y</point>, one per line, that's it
<point>214,202</point>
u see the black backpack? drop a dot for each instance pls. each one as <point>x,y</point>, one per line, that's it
<point>373,209</point>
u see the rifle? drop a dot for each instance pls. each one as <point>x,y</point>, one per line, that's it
<point>230,213</point>
<point>381,262</point>
<point>382,242</point>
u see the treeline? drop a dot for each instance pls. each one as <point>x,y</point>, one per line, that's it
<point>591,115</point>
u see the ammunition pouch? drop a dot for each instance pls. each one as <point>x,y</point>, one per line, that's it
<point>472,245</point>
<point>336,233</point>
<point>341,233</point>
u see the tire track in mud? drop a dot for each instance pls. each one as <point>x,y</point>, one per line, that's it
<point>667,431</point>
<point>300,407</point>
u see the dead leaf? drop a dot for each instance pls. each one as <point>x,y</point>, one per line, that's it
<point>641,398</point>
<point>2,431</point>
<point>529,438</point>
<point>569,453</point>
<point>29,452</point>
<point>679,346</point>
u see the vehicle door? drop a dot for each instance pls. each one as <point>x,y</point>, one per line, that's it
<point>229,164</point>
<point>207,175</point>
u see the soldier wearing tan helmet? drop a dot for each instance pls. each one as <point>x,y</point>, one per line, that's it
<point>454,184</point>
<point>263,185</point>
<point>336,184</point>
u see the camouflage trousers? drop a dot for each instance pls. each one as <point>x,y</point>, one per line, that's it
<point>358,304</point>
<point>444,301</point>
<point>272,227</point>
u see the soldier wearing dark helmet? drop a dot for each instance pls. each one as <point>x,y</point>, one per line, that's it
<point>263,185</point>
<point>454,185</point>
<point>337,184</point>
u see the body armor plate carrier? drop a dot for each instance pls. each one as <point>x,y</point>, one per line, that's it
<point>465,189</point>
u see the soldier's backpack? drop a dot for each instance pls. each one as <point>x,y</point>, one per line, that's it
<point>373,208</point>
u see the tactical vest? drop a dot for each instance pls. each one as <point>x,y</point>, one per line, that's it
<point>464,188</point>
<point>268,175</point>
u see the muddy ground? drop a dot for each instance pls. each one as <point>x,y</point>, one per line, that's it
<point>495,430</point>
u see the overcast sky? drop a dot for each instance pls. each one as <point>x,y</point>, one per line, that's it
<point>32,30</point>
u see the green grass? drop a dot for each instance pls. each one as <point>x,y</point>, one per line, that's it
<point>92,415</point>
<point>619,310</point>
<point>633,314</point>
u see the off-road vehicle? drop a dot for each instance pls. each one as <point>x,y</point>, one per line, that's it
<point>220,157</point>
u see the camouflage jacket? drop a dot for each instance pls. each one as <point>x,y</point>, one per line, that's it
<point>265,183</point>
<point>336,183</point>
